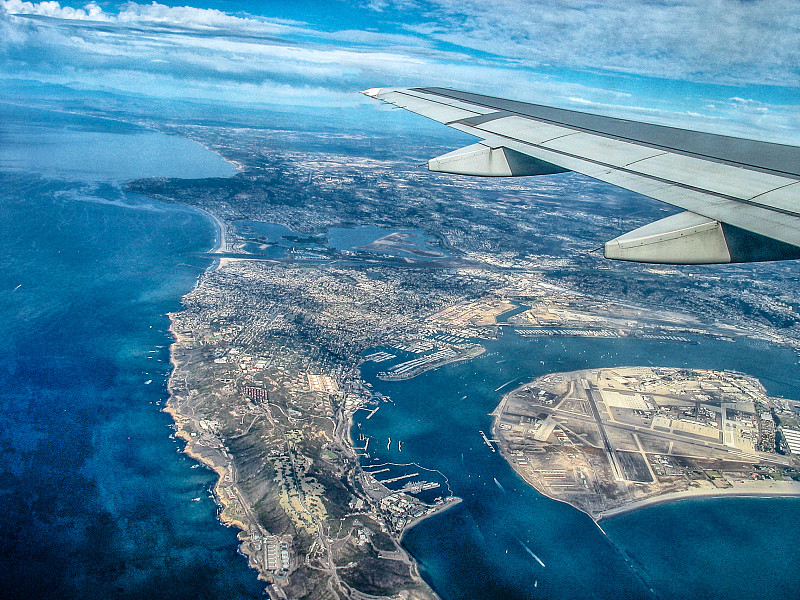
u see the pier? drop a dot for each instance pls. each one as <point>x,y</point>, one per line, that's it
<point>400,478</point>
<point>506,384</point>
<point>487,441</point>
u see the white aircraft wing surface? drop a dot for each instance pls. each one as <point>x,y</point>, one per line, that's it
<point>741,197</point>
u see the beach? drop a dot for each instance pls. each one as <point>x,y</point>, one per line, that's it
<point>748,489</point>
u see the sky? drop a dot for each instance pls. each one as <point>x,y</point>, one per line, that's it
<point>725,66</point>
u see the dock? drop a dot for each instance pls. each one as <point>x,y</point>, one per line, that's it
<point>487,441</point>
<point>400,478</point>
<point>505,384</point>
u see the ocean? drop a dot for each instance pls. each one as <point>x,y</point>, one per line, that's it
<point>100,503</point>
<point>736,548</point>
<point>97,500</point>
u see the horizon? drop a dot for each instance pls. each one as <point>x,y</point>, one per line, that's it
<point>311,56</point>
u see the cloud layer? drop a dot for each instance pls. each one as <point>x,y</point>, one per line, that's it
<point>753,41</point>
<point>669,61</point>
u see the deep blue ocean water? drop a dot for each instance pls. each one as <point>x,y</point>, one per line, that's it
<point>97,501</point>
<point>737,548</point>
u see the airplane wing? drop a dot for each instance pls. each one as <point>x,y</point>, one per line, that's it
<point>741,197</point>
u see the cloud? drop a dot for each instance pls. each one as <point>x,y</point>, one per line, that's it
<point>722,41</point>
<point>91,11</point>
<point>197,49</point>
<point>591,56</point>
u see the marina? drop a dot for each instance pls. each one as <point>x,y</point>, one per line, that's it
<point>487,441</point>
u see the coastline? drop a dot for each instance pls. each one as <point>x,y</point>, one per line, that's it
<point>774,489</point>
<point>739,490</point>
<point>224,495</point>
<point>440,508</point>
<point>221,243</point>
<point>409,558</point>
<point>180,432</point>
<point>233,509</point>
<point>496,415</point>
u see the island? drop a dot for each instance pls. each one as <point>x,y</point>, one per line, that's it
<point>610,440</point>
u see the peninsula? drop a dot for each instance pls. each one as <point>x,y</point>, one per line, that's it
<point>610,440</point>
<point>326,265</point>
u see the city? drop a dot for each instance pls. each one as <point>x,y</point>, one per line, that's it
<point>310,281</point>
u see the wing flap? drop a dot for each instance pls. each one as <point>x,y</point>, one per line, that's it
<point>784,198</point>
<point>614,152</point>
<point>517,128</point>
<point>761,220</point>
<point>717,178</point>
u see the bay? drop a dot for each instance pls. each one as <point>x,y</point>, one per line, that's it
<point>480,549</point>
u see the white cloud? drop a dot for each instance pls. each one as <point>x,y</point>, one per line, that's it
<point>190,52</point>
<point>755,41</point>
<point>91,11</point>
<point>207,48</point>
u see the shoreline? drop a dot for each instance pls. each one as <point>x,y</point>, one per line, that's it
<point>786,489</point>
<point>775,489</point>
<point>178,419</point>
<point>227,502</point>
<point>444,507</point>
<point>440,509</point>
<point>743,489</point>
<point>220,241</point>
<point>225,499</point>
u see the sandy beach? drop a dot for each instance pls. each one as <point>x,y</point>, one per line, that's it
<point>751,489</point>
<point>221,241</point>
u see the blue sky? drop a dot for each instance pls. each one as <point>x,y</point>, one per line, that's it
<point>718,65</point>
